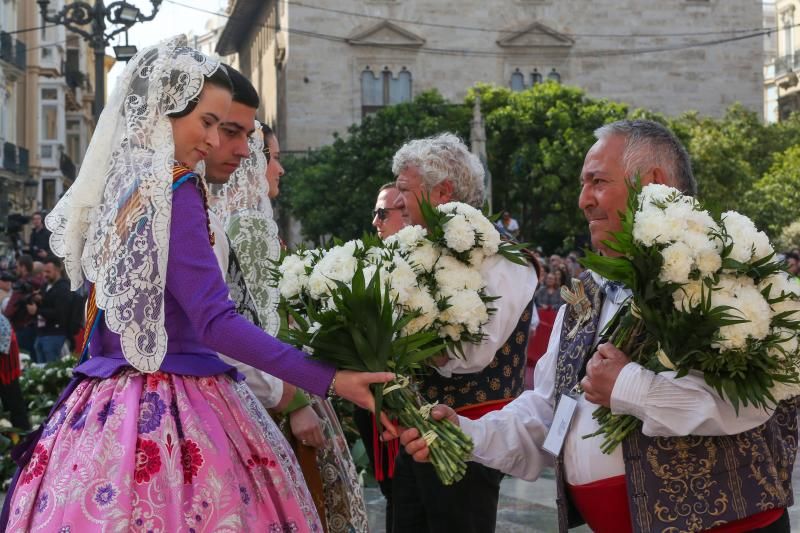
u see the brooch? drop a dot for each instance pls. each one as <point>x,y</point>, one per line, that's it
<point>580,304</point>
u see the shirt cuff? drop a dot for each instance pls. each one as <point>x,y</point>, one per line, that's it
<point>629,396</point>
<point>472,429</point>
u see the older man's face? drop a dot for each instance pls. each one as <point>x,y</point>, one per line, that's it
<point>604,191</point>
<point>412,190</point>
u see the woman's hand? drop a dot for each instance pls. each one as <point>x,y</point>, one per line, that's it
<point>354,387</point>
<point>306,427</point>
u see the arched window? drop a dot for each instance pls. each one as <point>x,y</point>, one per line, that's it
<point>400,87</point>
<point>536,77</point>
<point>384,89</point>
<point>517,81</point>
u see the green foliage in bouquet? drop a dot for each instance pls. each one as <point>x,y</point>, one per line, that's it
<point>359,330</point>
<point>705,319</point>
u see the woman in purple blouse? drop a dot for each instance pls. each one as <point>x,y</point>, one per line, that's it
<point>155,432</point>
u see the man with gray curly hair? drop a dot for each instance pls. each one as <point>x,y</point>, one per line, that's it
<point>488,375</point>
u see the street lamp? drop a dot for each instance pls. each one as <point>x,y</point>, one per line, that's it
<point>78,14</point>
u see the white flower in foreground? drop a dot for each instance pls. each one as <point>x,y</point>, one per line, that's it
<point>338,264</point>
<point>708,261</point>
<point>782,284</point>
<point>688,296</point>
<point>424,256</point>
<point>452,331</point>
<point>452,275</point>
<point>459,234</point>
<point>420,300</point>
<point>466,308</point>
<point>747,302</point>
<point>648,226</point>
<point>656,193</point>
<point>677,263</point>
<point>408,237</point>
<point>401,279</point>
<point>749,244</point>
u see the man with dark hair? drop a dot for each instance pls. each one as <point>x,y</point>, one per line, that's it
<point>51,310</point>
<point>234,130</point>
<point>39,243</point>
<point>696,462</point>
<point>22,292</point>
<point>792,263</point>
<point>386,218</point>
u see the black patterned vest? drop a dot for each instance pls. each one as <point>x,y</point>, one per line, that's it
<point>237,287</point>
<point>691,483</point>
<point>502,379</point>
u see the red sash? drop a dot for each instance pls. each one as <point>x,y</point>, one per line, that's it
<point>474,412</point>
<point>604,506</point>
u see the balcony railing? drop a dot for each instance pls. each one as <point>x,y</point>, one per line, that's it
<point>787,63</point>
<point>16,159</point>
<point>12,50</point>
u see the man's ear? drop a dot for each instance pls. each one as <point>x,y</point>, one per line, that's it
<point>660,177</point>
<point>443,192</point>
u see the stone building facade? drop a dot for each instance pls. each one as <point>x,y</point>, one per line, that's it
<point>320,65</point>
<point>782,90</point>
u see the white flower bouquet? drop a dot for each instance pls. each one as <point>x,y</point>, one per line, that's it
<point>375,306</point>
<point>707,297</point>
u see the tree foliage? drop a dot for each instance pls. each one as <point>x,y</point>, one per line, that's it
<point>774,199</point>
<point>536,143</point>
<point>332,191</point>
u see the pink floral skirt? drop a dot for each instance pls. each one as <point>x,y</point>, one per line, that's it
<point>162,452</point>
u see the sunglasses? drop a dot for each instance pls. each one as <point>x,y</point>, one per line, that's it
<point>382,212</point>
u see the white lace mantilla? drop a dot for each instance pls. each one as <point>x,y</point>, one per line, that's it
<point>245,210</point>
<point>112,226</point>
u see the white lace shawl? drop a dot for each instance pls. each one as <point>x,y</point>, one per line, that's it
<point>112,226</point>
<point>245,210</point>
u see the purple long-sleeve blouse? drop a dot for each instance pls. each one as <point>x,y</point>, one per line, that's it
<point>200,318</point>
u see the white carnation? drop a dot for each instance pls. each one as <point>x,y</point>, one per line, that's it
<point>401,279</point>
<point>459,234</point>
<point>421,301</point>
<point>408,237</point>
<point>656,193</point>
<point>452,275</point>
<point>688,296</point>
<point>677,263</point>
<point>743,296</point>
<point>466,308</point>
<point>648,226</point>
<point>424,256</point>
<point>749,244</point>
<point>782,284</point>
<point>453,331</point>
<point>708,261</point>
<point>338,264</point>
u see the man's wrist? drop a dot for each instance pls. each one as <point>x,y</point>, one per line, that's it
<point>299,401</point>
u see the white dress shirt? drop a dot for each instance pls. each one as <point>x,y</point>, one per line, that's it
<point>515,285</point>
<point>511,439</point>
<point>267,388</point>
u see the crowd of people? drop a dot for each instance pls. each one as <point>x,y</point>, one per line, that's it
<point>171,419</point>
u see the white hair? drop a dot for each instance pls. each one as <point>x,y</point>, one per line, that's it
<point>444,157</point>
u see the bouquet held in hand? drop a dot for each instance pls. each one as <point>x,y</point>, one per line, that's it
<point>708,297</point>
<point>369,305</point>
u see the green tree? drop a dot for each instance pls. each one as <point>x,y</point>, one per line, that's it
<point>773,200</point>
<point>333,189</point>
<point>536,142</point>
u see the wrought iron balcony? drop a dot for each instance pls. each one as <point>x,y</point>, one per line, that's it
<point>12,50</point>
<point>15,159</point>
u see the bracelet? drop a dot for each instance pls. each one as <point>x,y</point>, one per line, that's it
<point>299,401</point>
<point>332,388</point>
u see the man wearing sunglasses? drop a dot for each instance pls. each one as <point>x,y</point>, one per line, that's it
<point>386,218</point>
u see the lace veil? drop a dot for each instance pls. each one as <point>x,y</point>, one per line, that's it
<point>112,225</point>
<point>245,210</point>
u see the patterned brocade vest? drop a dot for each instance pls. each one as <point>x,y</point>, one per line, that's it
<point>502,380</point>
<point>692,483</point>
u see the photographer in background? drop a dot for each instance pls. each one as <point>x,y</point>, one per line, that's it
<point>39,243</point>
<point>52,310</point>
<point>16,311</point>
